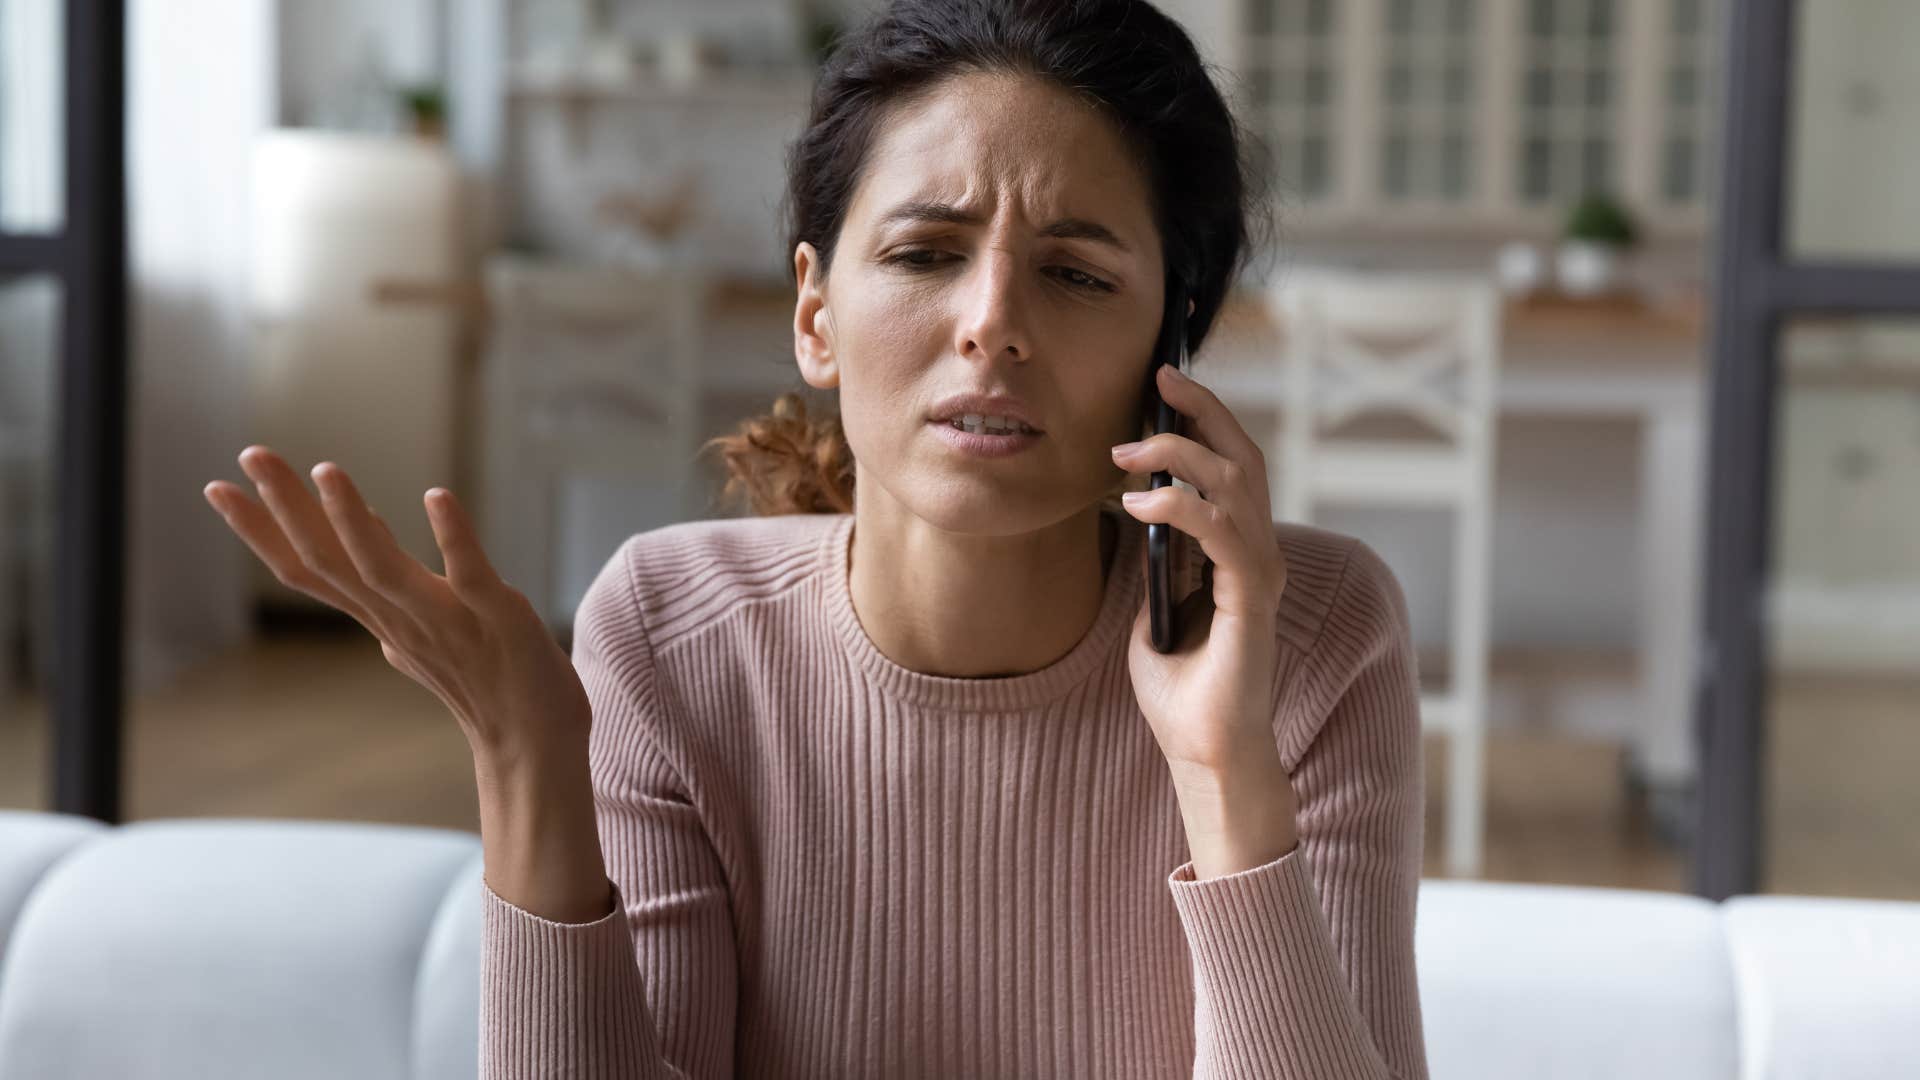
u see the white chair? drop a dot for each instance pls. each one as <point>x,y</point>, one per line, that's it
<point>591,370</point>
<point>1425,347</point>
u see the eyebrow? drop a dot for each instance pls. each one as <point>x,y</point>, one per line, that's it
<point>947,214</point>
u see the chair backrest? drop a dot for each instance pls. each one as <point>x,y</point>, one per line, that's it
<point>1367,346</point>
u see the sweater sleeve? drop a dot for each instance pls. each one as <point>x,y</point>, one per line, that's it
<point>649,989</point>
<point>1304,967</point>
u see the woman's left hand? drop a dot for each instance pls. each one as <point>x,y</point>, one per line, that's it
<point>1210,701</point>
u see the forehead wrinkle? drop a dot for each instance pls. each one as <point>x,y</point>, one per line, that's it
<point>1001,153</point>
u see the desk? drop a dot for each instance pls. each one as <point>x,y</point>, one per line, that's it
<point>1602,360</point>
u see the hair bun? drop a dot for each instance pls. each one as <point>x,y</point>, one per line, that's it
<point>786,462</point>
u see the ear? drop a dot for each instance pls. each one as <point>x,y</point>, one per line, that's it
<point>813,322</point>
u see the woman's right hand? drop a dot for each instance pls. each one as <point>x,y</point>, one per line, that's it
<point>474,641</point>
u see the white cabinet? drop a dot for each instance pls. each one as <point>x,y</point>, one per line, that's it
<point>337,376</point>
<point>1490,113</point>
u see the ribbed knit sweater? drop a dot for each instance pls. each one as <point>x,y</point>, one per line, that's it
<point>826,864</point>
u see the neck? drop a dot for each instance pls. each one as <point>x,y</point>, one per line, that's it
<point>969,606</point>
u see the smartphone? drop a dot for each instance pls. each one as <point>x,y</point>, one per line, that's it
<point>1162,538</point>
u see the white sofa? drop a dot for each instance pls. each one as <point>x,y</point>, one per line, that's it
<point>209,948</point>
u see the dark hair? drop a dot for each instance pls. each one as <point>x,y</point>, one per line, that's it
<point>1127,57</point>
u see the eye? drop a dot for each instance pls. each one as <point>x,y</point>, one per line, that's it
<point>927,259</point>
<point>1084,280</point>
<point>916,258</point>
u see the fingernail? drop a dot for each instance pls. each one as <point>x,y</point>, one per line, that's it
<point>1124,449</point>
<point>1176,373</point>
<point>1132,498</point>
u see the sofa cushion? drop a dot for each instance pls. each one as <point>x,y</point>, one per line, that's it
<point>215,948</point>
<point>1829,988</point>
<point>30,844</point>
<point>1526,981</point>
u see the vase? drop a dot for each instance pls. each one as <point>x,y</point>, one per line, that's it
<point>1587,268</point>
<point>1520,268</point>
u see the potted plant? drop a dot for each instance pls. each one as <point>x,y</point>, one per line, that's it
<point>426,109</point>
<point>1599,232</point>
<point>820,28</point>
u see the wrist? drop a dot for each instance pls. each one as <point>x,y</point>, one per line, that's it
<point>539,835</point>
<point>1238,818</point>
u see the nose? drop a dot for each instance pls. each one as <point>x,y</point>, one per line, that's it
<point>992,319</point>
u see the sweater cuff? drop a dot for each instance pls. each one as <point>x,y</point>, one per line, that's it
<point>1241,908</point>
<point>550,988</point>
<point>1269,992</point>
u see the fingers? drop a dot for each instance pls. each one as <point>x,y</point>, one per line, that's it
<point>1221,481</point>
<point>469,571</point>
<point>1215,426</point>
<point>255,525</point>
<point>1243,575</point>
<point>310,533</point>
<point>368,542</point>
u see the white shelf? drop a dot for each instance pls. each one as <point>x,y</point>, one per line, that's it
<point>721,86</point>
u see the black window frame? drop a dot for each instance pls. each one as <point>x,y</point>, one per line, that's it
<point>1758,289</point>
<point>88,257</point>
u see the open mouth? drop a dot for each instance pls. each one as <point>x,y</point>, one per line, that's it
<point>975,424</point>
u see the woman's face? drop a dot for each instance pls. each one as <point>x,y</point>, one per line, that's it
<point>1001,241</point>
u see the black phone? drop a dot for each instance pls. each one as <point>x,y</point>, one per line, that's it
<point>1162,538</point>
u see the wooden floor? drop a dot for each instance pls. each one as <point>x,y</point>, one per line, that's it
<point>317,725</point>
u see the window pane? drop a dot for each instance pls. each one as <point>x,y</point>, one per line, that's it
<point>32,116</point>
<point>1453,167</point>
<point>1685,16</point>
<point>1319,86</point>
<point>1599,87</point>
<point>1677,180</point>
<point>1399,84</point>
<point>1315,176</point>
<point>1540,18</point>
<point>30,312</point>
<point>1400,17</point>
<point>1842,611</point>
<point>1429,96</point>
<point>1399,176</point>
<point>1536,168</point>
<point>1596,165</point>
<point>1540,88</point>
<point>1600,19</point>
<point>1855,133</point>
<point>1682,86</point>
<point>1263,85</point>
<point>1260,16</point>
<point>1460,16</point>
<point>1319,17</point>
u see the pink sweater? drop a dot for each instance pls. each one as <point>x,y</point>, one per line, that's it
<point>829,865</point>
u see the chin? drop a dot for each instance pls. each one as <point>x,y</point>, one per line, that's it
<point>987,509</point>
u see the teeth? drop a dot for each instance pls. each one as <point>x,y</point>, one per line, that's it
<point>990,425</point>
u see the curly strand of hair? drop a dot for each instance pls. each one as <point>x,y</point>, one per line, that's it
<point>786,462</point>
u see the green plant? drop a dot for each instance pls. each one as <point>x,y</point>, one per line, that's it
<point>821,28</point>
<point>1601,219</point>
<point>426,104</point>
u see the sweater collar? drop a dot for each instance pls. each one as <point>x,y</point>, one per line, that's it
<point>1103,641</point>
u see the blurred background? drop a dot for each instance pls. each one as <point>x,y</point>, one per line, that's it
<point>1668,600</point>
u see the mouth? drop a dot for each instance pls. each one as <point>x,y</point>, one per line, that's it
<point>980,440</point>
<point>982,424</point>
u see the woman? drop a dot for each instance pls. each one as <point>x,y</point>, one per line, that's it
<point>902,789</point>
